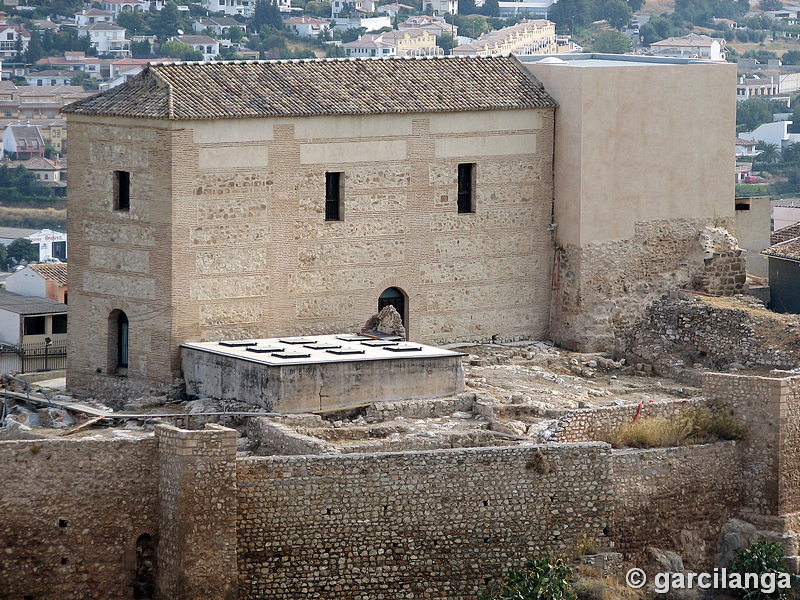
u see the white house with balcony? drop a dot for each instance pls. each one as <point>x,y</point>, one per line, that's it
<point>306,26</point>
<point>12,38</point>
<point>108,39</point>
<point>207,46</point>
<point>370,45</point>
<point>90,16</point>
<point>117,6</point>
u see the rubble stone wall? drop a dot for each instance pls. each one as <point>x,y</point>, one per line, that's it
<point>695,330</point>
<point>72,513</point>
<point>605,287</point>
<point>607,423</point>
<point>675,499</point>
<point>422,524</point>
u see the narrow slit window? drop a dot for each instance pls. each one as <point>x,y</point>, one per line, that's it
<point>466,174</point>
<point>333,196</point>
<point>122,190</point>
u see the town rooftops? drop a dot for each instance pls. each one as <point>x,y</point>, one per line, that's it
<point>688,41</point>
<point>789,250</point>
<point>784,234</point>
<point>241,89</point>
<point>29,305</point>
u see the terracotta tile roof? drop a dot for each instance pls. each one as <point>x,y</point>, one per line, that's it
<point>54,272</point>
<point>230,90</point>
<point>789,250</point>
<point>784,234</point>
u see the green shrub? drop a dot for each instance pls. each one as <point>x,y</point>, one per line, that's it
<point>542,579</point>
<point>760,558</point>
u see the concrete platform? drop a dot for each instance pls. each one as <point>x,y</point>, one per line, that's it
<point>317,373</point>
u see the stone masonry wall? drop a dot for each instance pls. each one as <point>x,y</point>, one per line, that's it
<point>72,512</point>
<point>425,524</point>
<point>606,422</point>
<point>674,499</point>
<point>120,260</point>
<point>603,288</point>
<point>217,248</point>
<point>757,401</point>
<point>692,331</point>
<point>197,512</point>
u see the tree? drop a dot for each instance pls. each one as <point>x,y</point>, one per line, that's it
<point>22,250</point>
<point>791,153</point>
<point>751,113</point>
<point>616,12</point>
<point>85,80</point>
<point>446,42</point>
<point>35,49</point>
<point>466,7</point>
<point>491,8</point>
<point>180,50</point>
<point>791,57</point>
<point>235,34</point>
<point>132,21</point>
<point>770,5</point>
<point>266,13</point>
<point>612,42</point>
<point>167,21</point>
<point>768,153</point>
<point>141,49</point>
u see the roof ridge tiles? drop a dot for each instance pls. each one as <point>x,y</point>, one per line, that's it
<point>304,87</point>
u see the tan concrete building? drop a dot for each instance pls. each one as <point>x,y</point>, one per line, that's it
<point>642,181</point>
<point>214,201</point>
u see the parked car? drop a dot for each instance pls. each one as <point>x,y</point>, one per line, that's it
<point>754,179</point>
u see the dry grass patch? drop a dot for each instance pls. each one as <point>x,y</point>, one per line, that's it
<point>698,425</point>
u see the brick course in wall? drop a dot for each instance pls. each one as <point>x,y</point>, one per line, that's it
<point>213,250</point>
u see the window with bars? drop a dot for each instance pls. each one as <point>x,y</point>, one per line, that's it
<point>466,176</point>
<point>333,196</point>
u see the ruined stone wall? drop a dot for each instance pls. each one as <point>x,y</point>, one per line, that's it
<point>428,524</point>
<point>674,499</point>
<point>72,513</point>
<point>607,423</point>
<point>603,288</point>
<point>692,331</point>
<point>227,237</point>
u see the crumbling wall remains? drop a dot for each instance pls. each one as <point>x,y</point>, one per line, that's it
<point>688,330</point>
<point>674,498</point>
<point>603,288</point>
<point>604,423</point>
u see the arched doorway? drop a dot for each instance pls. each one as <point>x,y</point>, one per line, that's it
<point>393,297</point>
<point>118,342</point>
<point>144,581</point>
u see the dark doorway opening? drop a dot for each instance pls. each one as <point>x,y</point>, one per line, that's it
<point>393,297</point>
<point>144,582</point>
